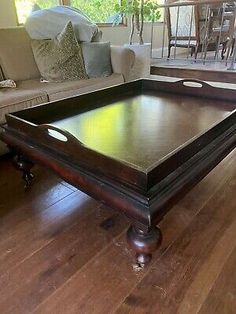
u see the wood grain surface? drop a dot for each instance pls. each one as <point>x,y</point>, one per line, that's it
<point>63,252</point>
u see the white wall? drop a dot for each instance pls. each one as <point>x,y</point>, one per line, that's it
<point>116,35</point>
<point>7,13</point>
<point>120,35</point>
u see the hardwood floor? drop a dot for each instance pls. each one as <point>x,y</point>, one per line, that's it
<point>63,252</point>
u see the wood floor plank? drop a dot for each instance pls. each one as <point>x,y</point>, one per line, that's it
<point>20,224</point>
<point>26,286</point>
<point>217,177</point>
<point>222,297</point>
<point>115,278</point>
<point>108,276</point>
<point>163,288</point>
<point>209,272</point>
<point>68,254</point>
<point>46,190</point>
<point>41,228</point>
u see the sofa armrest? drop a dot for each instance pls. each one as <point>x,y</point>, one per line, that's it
<point>122,60</point>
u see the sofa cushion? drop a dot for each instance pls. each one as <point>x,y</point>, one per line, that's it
<point>60,59</point>
<point>16,56</point>
<point>65,89</point>
<point>19,98</point>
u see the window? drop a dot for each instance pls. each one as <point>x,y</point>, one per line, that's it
<point>24,7</point>
<point>160,10</point>
<point>100,11</point>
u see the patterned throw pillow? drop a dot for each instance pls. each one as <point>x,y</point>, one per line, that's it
<point>59,59</point>
<point>7,84</point>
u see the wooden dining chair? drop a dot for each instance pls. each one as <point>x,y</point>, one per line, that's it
<point>232,32</point>
<point>220,25</point>
<point>183,28</point>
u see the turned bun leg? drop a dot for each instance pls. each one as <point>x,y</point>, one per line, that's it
<point>25,166</point>
<point>144,243</point>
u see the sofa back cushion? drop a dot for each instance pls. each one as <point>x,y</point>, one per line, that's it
<point>16,56</point>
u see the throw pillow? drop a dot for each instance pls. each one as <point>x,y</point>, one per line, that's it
<point>61,58</point>
<point>47,23</point>
<point>97,59</point>
<point>7,84</point>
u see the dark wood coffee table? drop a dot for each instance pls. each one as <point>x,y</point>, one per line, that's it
<point>138,147</point>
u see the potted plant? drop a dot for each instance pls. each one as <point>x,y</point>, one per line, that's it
<point>138,11</point>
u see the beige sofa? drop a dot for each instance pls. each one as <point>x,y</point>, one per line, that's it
<point>17,63</point>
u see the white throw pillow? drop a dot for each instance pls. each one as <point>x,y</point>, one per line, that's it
<point>48,23</point>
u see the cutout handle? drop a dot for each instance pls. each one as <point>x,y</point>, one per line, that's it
<point>59,134</point>
<point>193,83</point>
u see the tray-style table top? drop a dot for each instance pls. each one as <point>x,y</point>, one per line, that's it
<point>135,133</point>
<point>143,129</point>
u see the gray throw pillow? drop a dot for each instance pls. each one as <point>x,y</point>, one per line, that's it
<point>97,59</point>
<point>59,59</point>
